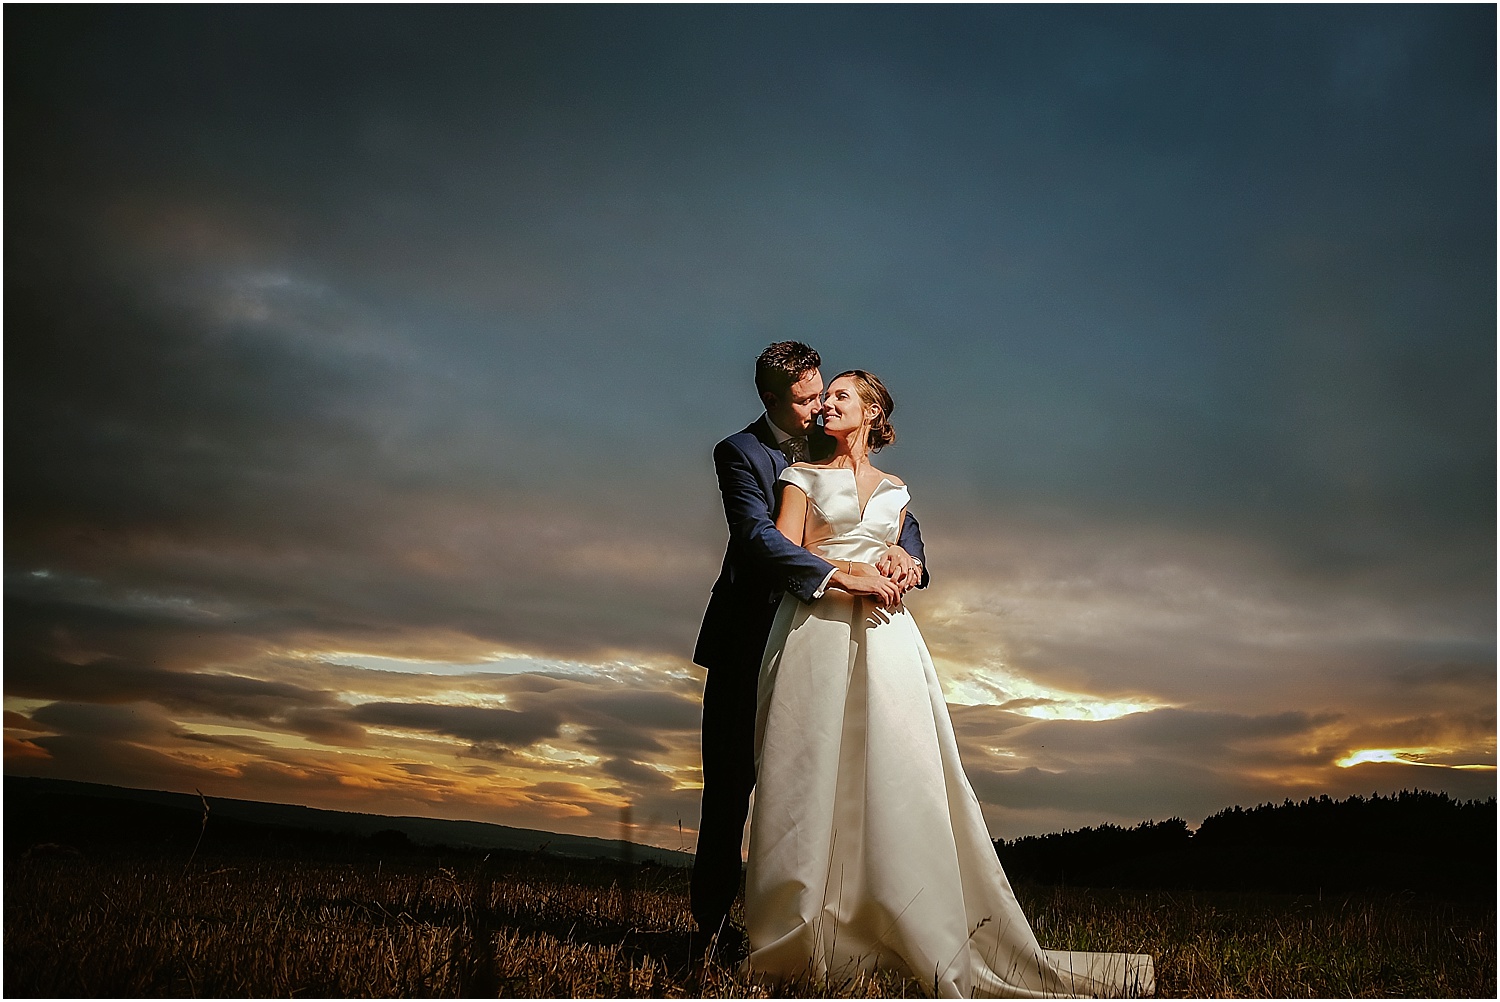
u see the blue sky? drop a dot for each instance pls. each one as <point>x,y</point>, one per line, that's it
<point>348,348</point>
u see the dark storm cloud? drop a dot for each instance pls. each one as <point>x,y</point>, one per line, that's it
<point>1474,728</point>
<point>630,724</point>
<point>114,682</point>
<point>325,726</point>
<point>119,763</point>
<point>1465,679</point>
<point>1143,788</point>
<point>656,711</point>
<point>485,727</point>
<point>20,722</point>
<point>640,777</point>
<point>314,714</point>
<point>105,723</point>
<point>1191,736</point>
<point>1177,730</point>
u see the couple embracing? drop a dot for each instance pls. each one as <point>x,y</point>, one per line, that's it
<point>867,846</point>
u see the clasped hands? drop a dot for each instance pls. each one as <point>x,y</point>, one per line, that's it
<point>886,580</point>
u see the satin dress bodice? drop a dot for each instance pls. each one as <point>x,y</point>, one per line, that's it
<point>836,527</point>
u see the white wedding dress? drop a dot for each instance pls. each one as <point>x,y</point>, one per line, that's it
<point>867,846</point>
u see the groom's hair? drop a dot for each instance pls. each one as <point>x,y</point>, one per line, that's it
<point>782,364</point>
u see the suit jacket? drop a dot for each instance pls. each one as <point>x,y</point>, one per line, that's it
<point>760,563</point>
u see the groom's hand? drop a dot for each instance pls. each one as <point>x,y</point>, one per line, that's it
<point>900,567</point>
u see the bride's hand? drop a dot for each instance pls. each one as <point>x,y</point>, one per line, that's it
<point>876,585</point>
<point>900,567</point>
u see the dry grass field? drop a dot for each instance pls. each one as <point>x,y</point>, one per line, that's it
<point>544,927</point>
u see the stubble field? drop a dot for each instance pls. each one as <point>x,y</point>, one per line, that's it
<point>545,927</point>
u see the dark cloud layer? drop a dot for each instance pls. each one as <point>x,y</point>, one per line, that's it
<point>481,725</point>
<point>107,682</point>
<point>408,333</point>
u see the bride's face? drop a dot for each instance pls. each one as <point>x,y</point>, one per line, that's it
<point>843,410</point>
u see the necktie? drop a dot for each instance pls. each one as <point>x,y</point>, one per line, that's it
<point>795,449</point>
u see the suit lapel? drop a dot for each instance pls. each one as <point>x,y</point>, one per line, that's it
<point>819,444</point>
<point>761,429</point>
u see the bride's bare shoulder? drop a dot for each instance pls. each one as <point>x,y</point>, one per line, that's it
<point>891,477</point>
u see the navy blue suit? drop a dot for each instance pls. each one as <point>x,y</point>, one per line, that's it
<point>759,565</point>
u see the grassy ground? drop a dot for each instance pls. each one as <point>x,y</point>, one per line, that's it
<point>548,928</point>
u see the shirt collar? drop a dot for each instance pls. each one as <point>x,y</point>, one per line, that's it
<point>781,436</point>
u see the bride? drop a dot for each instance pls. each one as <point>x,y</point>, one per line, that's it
<point>867,846</point>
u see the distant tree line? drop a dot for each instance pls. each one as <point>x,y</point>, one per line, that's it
<point>1414,840</point>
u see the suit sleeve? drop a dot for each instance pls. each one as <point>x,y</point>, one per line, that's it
<point>749,516</point>
<point>911,542</point>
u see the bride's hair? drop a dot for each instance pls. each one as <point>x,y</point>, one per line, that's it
<point>874,394</point>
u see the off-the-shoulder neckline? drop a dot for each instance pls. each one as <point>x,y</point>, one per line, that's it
<point>894,481</point>
<point>884,479</point>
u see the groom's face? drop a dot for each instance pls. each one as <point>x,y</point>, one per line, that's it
<point>797,412</point>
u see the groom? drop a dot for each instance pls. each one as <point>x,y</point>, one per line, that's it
<point>759,565</point>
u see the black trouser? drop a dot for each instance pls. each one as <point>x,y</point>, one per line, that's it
<point>728,778</point>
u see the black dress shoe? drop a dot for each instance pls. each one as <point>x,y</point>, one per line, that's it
<point>697,945</point>
<point>699,942</point>
<point>729,946</point>
<point>718,942</point>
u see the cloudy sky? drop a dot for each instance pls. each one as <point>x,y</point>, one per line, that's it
<point>363,366</point>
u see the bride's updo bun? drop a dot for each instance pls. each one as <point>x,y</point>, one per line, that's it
<point>872,393</point>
